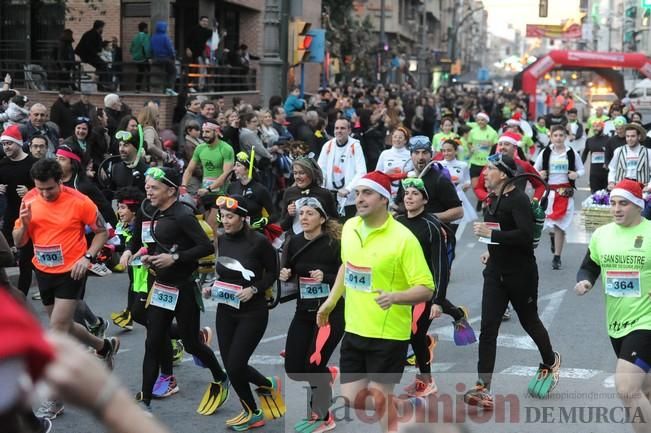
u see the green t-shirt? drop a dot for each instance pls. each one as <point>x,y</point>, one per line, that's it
<point>387,258</point>
<point>439,138</point>
<point>481,141</point>
<point>624,255</point>
<point>212,160</point>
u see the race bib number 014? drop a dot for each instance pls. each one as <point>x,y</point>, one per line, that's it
<point>163,296</point>
<point>224,293</point>
<point>358,278</point>
<point>623,284</point>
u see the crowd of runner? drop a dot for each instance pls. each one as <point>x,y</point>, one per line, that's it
<point>297,201</point>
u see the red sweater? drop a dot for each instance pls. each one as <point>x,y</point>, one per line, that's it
<point>539,188</point>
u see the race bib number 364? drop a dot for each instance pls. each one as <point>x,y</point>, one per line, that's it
<point>358,278</point>
<point>623,284</point>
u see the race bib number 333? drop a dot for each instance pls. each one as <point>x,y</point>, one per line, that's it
<point>358,278</point>
<point>163,296</point>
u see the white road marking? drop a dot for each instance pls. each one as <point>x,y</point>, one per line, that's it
<point>566,373</point>
<point>460,230</point>
<point>522,342</point>
<point>609,382</point>
<point>274,338</point>
<point>255,359</point>
<point>437,367</point>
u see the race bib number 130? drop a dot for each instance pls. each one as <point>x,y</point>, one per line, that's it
<point>49,256</point>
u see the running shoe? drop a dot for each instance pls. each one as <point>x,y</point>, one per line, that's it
<point>556,263</point>
<point>507,314</point>
<point>118,314</point>
<point>214,397</point>
<point>205,337</point>
<point>250,421</point>
<point>99,329</point>
<point>315,425</point>
<point>334,372</point>
<point>421,388</point>
<point>37,297</point>
<point>479,396</point>
<point>46,425</point>
<point>50,409</point>
<point>165,386</point>
<point>143,404</point>
<point>546,378</point>
<point>99,269</point>
<point>177,352</point>
<point>114,346</point>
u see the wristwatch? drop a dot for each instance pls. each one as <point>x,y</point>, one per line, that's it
<point>175,257</point>
<point>89,256</point>
<point>254,290</point>
<point>209,188</point>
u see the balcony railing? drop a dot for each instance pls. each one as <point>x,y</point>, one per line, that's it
<point>150,77</point>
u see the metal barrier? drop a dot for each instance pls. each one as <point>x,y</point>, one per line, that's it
<point>150,77</point>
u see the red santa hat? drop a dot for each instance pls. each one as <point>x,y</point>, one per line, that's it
<point>510,137</point>
<point>12,133</point>
<point>378,182</point>
<point>630,190</point>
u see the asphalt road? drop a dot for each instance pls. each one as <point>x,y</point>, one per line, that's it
<point>576,326</point>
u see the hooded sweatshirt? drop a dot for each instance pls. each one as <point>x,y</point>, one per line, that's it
<point>161,44</point>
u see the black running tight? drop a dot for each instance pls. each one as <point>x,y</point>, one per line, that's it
<point>299,347</point>
<point>521,289</point>
<point>159,321</point>
<point>139,315</point>
<point>238,335</point>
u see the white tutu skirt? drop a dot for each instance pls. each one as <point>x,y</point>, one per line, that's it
<point>469,213</point>
<point>563,223</point>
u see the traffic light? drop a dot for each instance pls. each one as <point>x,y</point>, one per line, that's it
<point>302,41</point>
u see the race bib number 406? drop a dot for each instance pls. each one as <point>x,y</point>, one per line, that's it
<point>623,284</point>
<point>358,278</point>
<point>225,293</point>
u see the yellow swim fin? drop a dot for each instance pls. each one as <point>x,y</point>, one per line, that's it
<point>271,399</point>
<point>215,396</point>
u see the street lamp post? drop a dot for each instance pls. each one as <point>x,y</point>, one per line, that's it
<point>423,74</point>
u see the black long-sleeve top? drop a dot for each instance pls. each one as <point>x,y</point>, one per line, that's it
<point>176,230</point>
<point>596,143</point>
<point>256,254</point>
<point>323,254</point>
<point>514,249</point>
<point>434,241</point>
<point>88,188</point>
<point>613,143</point>
<point>258,198</point>
<point>293,193</point>
<point>589,270</point>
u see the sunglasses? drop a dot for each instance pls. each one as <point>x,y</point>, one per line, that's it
<point>123,136</point>
<point>497,161</point>
<point>157,174</point>
<point>414,182</point>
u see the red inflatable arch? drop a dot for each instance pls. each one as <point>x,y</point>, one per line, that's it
<point>583,59</point>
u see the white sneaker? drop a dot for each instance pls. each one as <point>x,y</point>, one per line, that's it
<point>100,269</point>
<point>50,409</point>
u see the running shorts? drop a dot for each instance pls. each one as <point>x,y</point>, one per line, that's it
<point>60,286</point>
<point>376,359</point>
<point>635,348</point>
